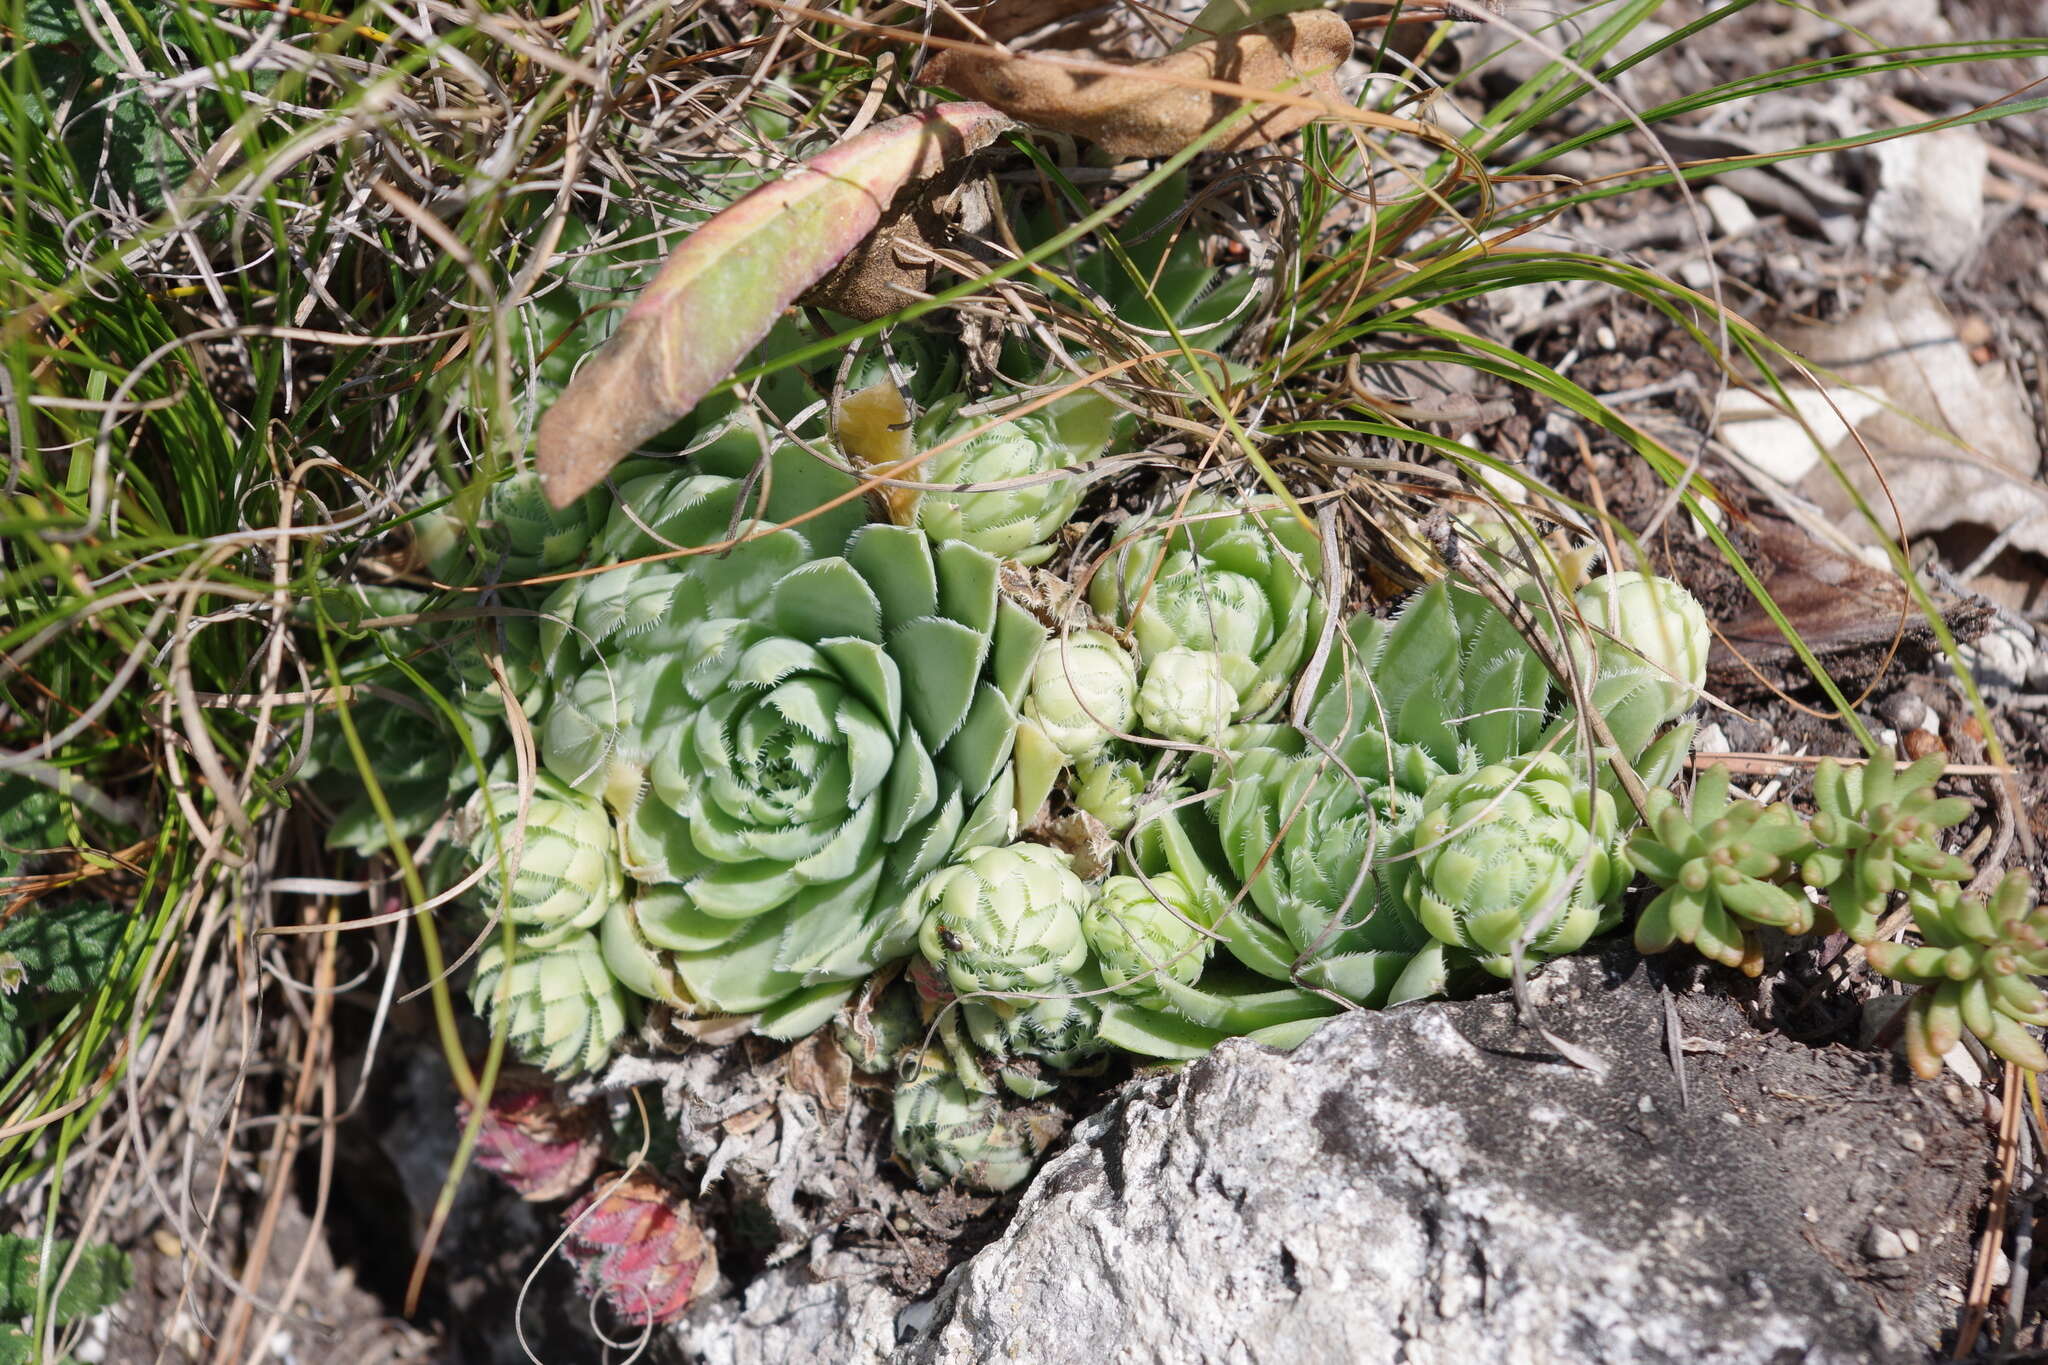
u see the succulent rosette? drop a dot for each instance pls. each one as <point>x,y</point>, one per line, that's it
<point>945,1130</point>
<point>1143,928</point>
<point>622,648</point>
<point>1221,578</point>
<point>808,763</point>
<point>1014,481</point>
<point>509,530</point>
<point>1004,925</point>
<point>1513,850</point>
<point>1648,650</point>
<point>1187,695</point>
<point>563,860</point>
<point>1083,693</point>
<point>561,1009</point>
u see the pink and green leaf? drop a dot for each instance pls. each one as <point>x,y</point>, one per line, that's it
<point>724,288</point>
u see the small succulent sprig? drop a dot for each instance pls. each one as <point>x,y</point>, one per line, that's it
<point>1723,867</point>
<point>1875,833</point>
<point>1973,966</point>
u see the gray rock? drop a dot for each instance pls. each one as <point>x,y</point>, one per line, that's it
<point>1434,1184</point>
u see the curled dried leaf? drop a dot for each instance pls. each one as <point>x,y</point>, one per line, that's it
<point>1165,103</point>
<point>723,289</point>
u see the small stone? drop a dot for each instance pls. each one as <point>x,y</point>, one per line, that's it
<point>1733,1120</point>
<point>1882,1244</point>
<point>1731,213</point>
<point>1913,1140</point>
<point>1646,1105</point>
<point>1911,1239</point>
<point>1604,338</point>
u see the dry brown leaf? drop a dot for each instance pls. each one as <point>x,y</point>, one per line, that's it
<point>820,1068</point>
<point>1149,115</point>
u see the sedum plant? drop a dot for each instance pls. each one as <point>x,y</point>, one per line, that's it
<point>560,1006</point>
<point>1973,967</point>
<point>1223,579</point>
<point>1876,832</point>
<point>1516,856</point>
<point>1722,866</point>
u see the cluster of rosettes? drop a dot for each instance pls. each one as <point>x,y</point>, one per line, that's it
<point>777,756</point>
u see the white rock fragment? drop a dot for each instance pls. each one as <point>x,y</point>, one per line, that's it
<point>1779,446</point>
<point>1929,206</point>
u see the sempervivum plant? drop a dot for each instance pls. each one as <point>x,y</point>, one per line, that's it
<point>945,1130</point>
<point>1143,929</point>
<point>1515,856</point>
<point>1974,966</point>
<point>808,763</point>
<point>1301,856</point>
<point>560,1005</point>
<point>620,645</point>
<point>1877,832</point>
<point>636,1243</point>
<point>1083,693</point>
<point>563,860</point>
<point>1225,578</point>
<point>1648,652</point>
<point>1008,485</point>
<point>1722,867</point>
<point>1004,926</point>
<point>508,530</point>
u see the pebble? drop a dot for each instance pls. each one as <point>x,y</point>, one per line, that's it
<point>1882,1244</point>
<point>1913,1140</point>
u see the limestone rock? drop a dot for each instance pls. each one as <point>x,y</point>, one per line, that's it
<point>1435,1184</point>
